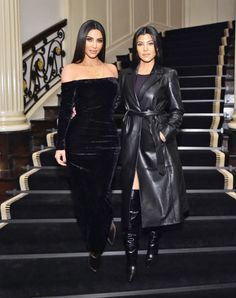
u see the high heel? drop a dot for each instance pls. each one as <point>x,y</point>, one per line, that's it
<point>131,271</point>
<point>112,234</point>
<point>94,261</point>
<point>153,247</point>
<point>131,251</point>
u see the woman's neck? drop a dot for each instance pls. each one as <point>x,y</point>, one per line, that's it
<point>91,62</point>
<point>145,67</point>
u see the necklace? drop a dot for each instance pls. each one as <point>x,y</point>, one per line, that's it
<point>97,71</point>
<point>94,71</point>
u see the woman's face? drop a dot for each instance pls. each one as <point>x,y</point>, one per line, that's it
<point>146,48</point>
<point>94,43</point>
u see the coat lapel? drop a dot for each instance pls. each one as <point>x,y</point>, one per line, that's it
<point>155,76</point>
<point>131,83</point>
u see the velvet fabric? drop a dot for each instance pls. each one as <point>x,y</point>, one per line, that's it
<point>157,108</point>
<point>92,147</point>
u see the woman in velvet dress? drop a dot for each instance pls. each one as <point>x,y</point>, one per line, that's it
<point>152,178</point>
<point>87,140</point>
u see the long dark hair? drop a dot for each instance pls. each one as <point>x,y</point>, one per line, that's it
<point>79,53</point>
<point>157,44</point>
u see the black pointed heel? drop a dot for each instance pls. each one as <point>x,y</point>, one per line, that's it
<point>112,234</point>
<point>131,251</point>
<point>131,272</point>
<point>153,247</point>
<point>94,261</point>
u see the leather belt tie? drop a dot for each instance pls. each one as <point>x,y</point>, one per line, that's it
<point>155,133</point>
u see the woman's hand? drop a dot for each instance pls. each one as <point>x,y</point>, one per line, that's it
<point>162,137</point>
<point>60,157</point>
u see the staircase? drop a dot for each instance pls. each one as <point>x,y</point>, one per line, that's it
<point>42,253</point>
<point>41,127</point>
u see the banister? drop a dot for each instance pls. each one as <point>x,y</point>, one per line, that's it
<point>42,35</point>
<point>42,63</point>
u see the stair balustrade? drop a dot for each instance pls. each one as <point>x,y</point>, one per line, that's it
<point>42,63</point>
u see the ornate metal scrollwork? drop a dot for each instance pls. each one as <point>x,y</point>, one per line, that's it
<point>42,63</point>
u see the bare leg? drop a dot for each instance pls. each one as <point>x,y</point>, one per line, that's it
<point>135,182</point>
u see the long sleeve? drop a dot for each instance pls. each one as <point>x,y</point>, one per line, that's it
<point>176,109</point>
<point>67,101</point>
<point>117,100</point>
<point>119,97</point>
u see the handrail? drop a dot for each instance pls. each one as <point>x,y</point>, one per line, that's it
<point>42,63</point>
<point>29,44</point>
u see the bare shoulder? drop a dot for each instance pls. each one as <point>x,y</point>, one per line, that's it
<point>70,72</point>
<point>112,69</point>
<point>67,73</point>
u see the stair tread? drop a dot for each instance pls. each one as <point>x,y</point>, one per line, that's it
<point>60,205</point>
<point>65,237</point>
<point>54,275</point>
<point>186,138</point>
<point>57,178</point>
<point>188,157</point>
<point>42,120</point>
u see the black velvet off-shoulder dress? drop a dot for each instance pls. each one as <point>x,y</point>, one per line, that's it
<point>92,147</point>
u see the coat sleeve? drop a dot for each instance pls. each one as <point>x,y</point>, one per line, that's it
<point>175,108</point>
<point>119,97</point>
<point>65,112</point>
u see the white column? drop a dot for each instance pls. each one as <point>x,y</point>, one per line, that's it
<point>12,116</point>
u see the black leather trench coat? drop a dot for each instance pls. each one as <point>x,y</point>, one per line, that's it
<point>159,108</point>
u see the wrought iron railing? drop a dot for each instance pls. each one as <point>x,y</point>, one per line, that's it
<point>42,63</point>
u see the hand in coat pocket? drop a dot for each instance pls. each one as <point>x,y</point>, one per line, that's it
<point>162,137</point>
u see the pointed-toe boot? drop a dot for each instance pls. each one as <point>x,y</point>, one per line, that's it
<point>94,261</point>
<point>131,251</point>
<point>112,234</point>
<point>153,246</point>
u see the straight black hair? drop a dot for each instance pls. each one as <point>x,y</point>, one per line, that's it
<point>157,44</point>
<point>79,53</point>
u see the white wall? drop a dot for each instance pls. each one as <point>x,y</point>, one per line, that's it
<point>37,15</point>
<point>198,12</point>
<point>168,14</point>
<point>121,17</point>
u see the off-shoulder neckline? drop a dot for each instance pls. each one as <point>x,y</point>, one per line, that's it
<point>91,79</point>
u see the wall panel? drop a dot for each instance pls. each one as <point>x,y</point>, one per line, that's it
<point>97,10</point>
<point>141,13</point>
<point>226,10</point>
<point>208,11</point>
<point>175,13</point>
<point>160,11</point>
<point>120,19</point>
<point>203,12</point>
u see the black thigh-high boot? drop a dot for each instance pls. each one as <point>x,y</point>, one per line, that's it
<point>131,240</point>
<point>153,245</point>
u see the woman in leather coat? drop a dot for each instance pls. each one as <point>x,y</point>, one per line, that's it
<point>152,178</point>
